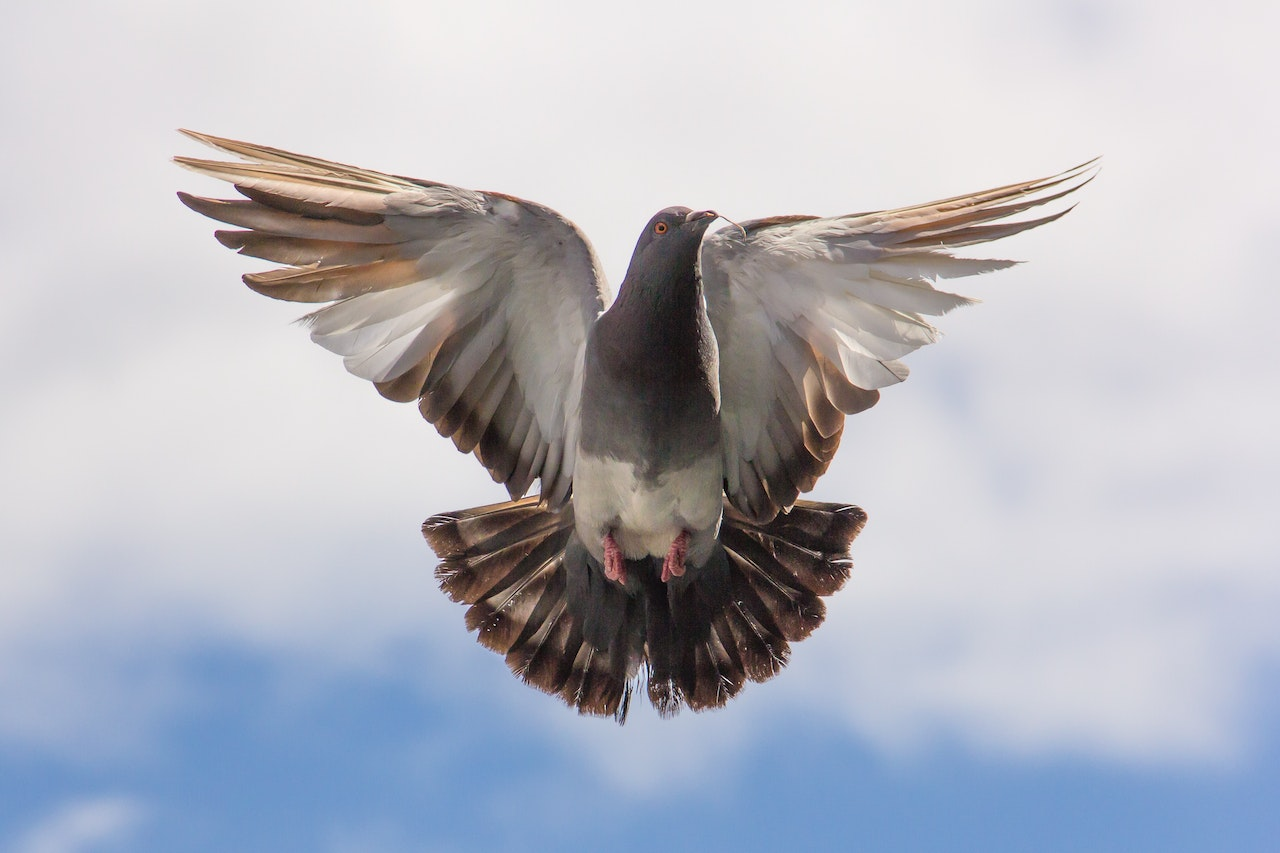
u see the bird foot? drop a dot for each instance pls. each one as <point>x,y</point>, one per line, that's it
<point>615,567</point>
<point>673,564</point>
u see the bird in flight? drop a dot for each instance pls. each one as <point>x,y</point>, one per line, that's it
<point>671,430</point>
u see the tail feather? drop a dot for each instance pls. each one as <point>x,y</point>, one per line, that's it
<point>758,629</point>
<point>507,561</point>
<point>717,670</point>
<point>663,687</point>
<point>475,531</point>
<point>480,547</point>
<point>796,609</point>
<point>505,617</point>
<point>546,657</point>
<point>806,541</point>
<point>541,601</point>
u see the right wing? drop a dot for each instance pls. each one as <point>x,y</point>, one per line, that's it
<point>477,304</point>
<point>812,315</point>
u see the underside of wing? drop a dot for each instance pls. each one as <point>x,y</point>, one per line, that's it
<point>476,304</point>
<point>813,314</point>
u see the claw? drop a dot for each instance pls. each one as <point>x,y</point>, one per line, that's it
<point>673,564</point>
<point>615,567</point>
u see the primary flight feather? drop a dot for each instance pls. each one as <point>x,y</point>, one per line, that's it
<point>671,431</point>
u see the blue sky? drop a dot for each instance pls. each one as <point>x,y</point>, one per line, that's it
<point>218,624</point>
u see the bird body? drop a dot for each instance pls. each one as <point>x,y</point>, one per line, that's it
<point>671,432</point>
<point>649,462</point>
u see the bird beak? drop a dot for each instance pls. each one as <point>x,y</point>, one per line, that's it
<point>708,216</point>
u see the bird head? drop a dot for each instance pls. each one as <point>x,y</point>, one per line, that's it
<point>668,247</point>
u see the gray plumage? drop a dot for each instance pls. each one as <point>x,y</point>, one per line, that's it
<point>671,434</point>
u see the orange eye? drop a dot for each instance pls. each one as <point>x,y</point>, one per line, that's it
<point>660,228</point>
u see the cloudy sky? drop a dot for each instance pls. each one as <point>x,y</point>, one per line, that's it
<point>218,623</point>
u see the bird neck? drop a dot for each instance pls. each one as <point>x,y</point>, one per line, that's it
<point>660,321</point>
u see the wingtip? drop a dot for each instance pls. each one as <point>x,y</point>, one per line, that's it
<point>203,138</point>
<point>1081,174</point>
<point>208,168</point>
<point>185,162</point>
<point>1092,170</point>
<point>1073,179</point>
<point>231,239</point>
<point>234,147</point>
<point>1092,162</point>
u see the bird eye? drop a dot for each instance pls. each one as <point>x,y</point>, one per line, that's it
<point>660,228</point>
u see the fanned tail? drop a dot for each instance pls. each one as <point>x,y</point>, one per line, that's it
<point>734,620</point>
<point>537,598</point>
<point>507,561</point>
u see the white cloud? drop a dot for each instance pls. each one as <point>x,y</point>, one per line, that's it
<point>97,823</point>
<point>1070,546</point>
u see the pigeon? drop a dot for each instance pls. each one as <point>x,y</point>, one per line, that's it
<point>671,430</point>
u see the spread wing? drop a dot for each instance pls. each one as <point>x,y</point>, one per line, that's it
<point>812,315</point>
<point>476,304</point>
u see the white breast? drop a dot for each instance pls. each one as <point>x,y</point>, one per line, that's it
<point>645,516</point>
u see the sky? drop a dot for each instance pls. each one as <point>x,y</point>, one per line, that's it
<point>218,623</point>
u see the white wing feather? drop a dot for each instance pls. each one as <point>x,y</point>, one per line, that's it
<point>478,303</point>
<point>812,314</point>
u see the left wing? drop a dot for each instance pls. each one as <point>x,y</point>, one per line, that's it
<point>477,304</point>
<point>811,316</point>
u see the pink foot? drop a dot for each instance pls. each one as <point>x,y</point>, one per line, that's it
<point>673,565</point>
<point>615,569</point>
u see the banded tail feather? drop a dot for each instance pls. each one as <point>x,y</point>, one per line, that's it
<point>536,597</point>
